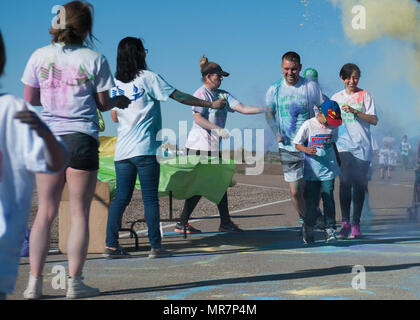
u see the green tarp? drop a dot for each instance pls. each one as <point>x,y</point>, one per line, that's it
<point>184,176</point>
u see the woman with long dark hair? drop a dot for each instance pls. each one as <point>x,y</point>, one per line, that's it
<point>355,147</point>
<point>70,81</point>
<point>137,146</point>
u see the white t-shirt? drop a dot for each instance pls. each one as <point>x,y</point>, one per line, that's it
<point>203,139</point>
<point>354,135</point>
<point>68,78</point>
<point>292,106</point>
<point>142,120</point>
<point>21,155</point>
<point>323,166</point>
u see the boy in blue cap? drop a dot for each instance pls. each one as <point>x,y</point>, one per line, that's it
<point>316,138</point>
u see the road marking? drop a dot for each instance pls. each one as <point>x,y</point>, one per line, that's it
<point>254,185</point>
<point>123,235</point>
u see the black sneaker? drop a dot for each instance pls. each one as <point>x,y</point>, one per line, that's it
<point>179,228</point>
<point>230,227</point>
<point>118,253</point>
<point>308,235</point>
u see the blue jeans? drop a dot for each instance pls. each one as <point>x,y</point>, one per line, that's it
<point>148,170</point>
<point>314,191</point>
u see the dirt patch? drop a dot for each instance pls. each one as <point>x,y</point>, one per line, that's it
<point>239,197</point>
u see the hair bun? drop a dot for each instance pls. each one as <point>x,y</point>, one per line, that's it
<point>203,61</point>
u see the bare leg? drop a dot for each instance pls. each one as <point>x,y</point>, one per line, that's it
<point>296,191</point>
<point>81,186</point>
<point>49,188</point>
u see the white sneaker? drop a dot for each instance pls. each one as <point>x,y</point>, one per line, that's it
<point>77,289</point>
<point>34,289</point>
<point>330,235</point>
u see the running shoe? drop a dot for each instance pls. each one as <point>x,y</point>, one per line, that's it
<point>308,235</point>
<point>179,228</point>
<point>34,289</point>
<point>118,253</point>
<point>345,230</point>
<point>77,289</point>
<point>355,231</point>
<point>230,227</point>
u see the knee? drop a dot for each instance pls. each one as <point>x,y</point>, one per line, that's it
<point>296,193</point>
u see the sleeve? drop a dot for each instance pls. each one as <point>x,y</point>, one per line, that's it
<point>28,146</point>
<point>104,80</point>
<point>316,97</point>
<point>232,102</point>
<point>270,99</point>
<point>302,135</point>
<point>369,104</point>
<point>29,77</point>
<point>197,109</point>
<point>158,88</point>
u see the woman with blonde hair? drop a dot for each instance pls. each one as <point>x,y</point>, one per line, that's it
<point>205,135</point>
<point>70,81</point>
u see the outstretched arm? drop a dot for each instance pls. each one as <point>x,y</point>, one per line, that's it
<point>245,109</point>
<point>190,100</point>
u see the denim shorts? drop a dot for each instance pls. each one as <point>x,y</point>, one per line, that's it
<point>83,151</point>
<point>292,164</point>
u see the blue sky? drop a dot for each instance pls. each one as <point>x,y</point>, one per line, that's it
<point>247,38</point>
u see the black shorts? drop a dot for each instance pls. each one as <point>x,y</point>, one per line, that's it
<point>83,151</point>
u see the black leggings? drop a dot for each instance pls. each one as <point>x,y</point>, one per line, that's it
<point>353,185</point>
<point>192,202</point>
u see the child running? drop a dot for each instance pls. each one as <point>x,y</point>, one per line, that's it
<point>316,138</point>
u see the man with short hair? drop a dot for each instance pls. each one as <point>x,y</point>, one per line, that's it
<point>292,100</point>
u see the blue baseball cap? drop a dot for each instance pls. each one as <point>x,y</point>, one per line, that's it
<point>332,113</point>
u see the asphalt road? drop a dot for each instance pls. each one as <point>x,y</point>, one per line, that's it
<point>268,261</point>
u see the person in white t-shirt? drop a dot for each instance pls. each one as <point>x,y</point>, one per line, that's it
<point>27,146</point>
<point>137,144</point>
<point>405,148</point>
<point>70,81</point>
<point>355,147</point>
<point>292,100</point>
<point>316,138</point>
<point>206,134</point>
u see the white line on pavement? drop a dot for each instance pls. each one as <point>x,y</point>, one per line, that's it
<point>235,211</point>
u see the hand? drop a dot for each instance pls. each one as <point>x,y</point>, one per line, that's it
<point>347,108</point>
<point>218,104</point>
<point>31,118</point>
<point>279,138</point>
<point>222,133</point>
<point>122,102</point>
<point>310,150</point>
